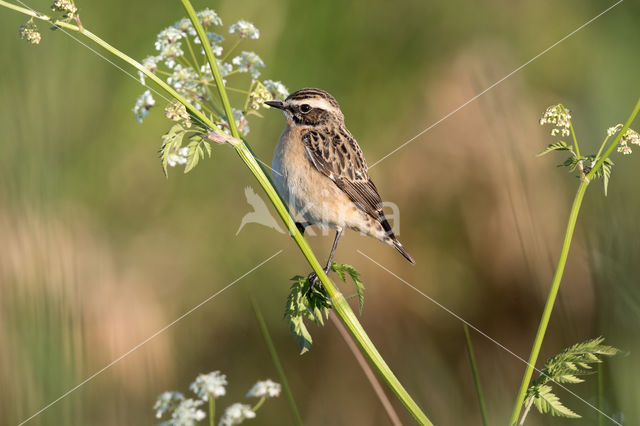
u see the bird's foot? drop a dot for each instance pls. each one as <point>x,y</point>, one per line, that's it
<point>313,278</point>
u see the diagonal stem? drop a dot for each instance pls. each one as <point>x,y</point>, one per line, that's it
<point>340,304</point>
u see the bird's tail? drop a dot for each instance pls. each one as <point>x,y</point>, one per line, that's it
<point>402,250</point>
<point>391,239</point>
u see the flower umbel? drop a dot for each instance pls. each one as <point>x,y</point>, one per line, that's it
<point>180,59</point>
<point>629,137</point>
<point>29,32</point>
<point>66,7</point>
<point>245,29</point>
<point>236,414</point>
<point>187,413</point>
<point>168,401</point>
<point>266,388</point>
<point>143,105</point>
<point>212,384</point>
<point>248,62</point>
<point>560,117</point>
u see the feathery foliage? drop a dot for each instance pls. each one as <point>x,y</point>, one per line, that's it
<point>313,304</point>
<point>566,367</point>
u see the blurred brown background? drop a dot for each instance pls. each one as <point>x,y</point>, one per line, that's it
<point>98,251</point>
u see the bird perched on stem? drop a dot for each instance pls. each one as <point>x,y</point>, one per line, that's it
<point>321,172</point>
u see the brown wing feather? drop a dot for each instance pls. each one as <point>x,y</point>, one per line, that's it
<point>337,155</point>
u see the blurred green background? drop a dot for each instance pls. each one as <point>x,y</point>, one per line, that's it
<point>99,250</point>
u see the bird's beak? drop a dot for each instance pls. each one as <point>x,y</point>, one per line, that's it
<point>275,104</point>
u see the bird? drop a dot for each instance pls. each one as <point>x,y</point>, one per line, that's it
<point>319,169</point>
<point>260,213</point>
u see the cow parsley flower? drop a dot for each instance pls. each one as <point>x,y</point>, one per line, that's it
<point>29,32</point>
<point>248,62</point>
<point>143,105</point>
<point>168,401</point>
<point>66,7</point>
<point>186,27</point>
<point>560,117</point>
<point>214,40</point>
<point>613,130</point>
<point>187,413</point>
<point>208,17</point>
<point>277,89</point>
<point>266,388</point>
<point>245,29</point>
<point>236,414</point>
<point>209,384</point>
<point>629,137</point>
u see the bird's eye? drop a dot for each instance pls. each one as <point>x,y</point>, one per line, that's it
<point>305,108</point>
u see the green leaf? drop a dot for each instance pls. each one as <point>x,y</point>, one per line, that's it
<point>558,146</point>
<point>196,151</point>
<point>342,269</point>
<point>547,402</point>
<point>294,314</point>
<point>572,162</point>
<point>607,168</point>
<point>171,143</point>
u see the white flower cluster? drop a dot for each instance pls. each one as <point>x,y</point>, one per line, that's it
<point>236,414</point>
<point>266,389</point>
<point>30,32</point>
<point>143,105</point>
<point>277,89</point>
<point>168,401</point>
<point>248,62</point>
<point>66,7</point>
<point>185,412</point>
<point>560,118</point>
<point>245,29</point>
<point>629,137</point>
<point>209,384</point>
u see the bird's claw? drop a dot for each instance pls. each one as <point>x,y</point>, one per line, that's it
<point>313,278</point>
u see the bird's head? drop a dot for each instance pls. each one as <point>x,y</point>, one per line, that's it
<point>309,108</point>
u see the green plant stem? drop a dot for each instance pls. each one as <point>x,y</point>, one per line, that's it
<point>551,298</point>
<point>340,305</point>
<point>212,410</point>
<point>83,31</point>
<point>614,144</point>
<point>259,404</point>
<point>297,420</point>
<point>573,133</point>
<point>476,376</point>
<point>600,395</point>
<point>557,278</point>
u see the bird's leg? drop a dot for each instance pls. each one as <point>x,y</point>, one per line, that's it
<point>314,277</point>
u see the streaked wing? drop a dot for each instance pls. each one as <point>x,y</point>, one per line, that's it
<point>338,156</point>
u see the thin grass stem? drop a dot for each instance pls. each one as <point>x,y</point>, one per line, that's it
<point>476,376</point>
<point>297,420</point>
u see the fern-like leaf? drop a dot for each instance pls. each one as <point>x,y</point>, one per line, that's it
<point>547,402</point>
<point>294,314</point>
<point>342,269</point>
<point>171,143</point>
<point>558,146</point>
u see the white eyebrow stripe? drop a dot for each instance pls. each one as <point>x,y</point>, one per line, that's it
<point>314,103</point>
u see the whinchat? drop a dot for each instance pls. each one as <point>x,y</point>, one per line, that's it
<point>320,170</point>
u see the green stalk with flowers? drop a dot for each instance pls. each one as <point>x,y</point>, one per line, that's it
<point>562,368</point>
<point>201,119</point>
